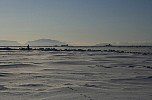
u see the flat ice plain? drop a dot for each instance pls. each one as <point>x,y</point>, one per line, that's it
<point>74,75</point>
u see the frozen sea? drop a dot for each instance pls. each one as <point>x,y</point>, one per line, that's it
<point>75,75</point>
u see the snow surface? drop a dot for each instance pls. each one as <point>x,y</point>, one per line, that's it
<point>73,75</point>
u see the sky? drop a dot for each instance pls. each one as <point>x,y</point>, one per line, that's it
<point>79,22</point>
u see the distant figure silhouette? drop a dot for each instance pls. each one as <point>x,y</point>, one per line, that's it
<point>28,47</point>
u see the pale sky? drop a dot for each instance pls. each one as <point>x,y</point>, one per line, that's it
<point>81,22</point>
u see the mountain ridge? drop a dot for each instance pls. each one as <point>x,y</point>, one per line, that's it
<point>45,42</point>
<point>9,43</point>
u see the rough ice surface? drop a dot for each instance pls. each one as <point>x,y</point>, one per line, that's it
<point>74,75</point>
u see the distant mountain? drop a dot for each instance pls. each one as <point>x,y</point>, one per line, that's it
<point>127,44</point>
<point>45,42</point>
<point>134,43</point>
<point>9,43</point>
<point>102,44</point>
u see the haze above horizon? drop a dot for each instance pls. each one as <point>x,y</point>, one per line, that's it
<point>81,22</point>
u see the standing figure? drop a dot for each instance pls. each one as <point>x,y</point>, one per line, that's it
<point>28,47</point>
